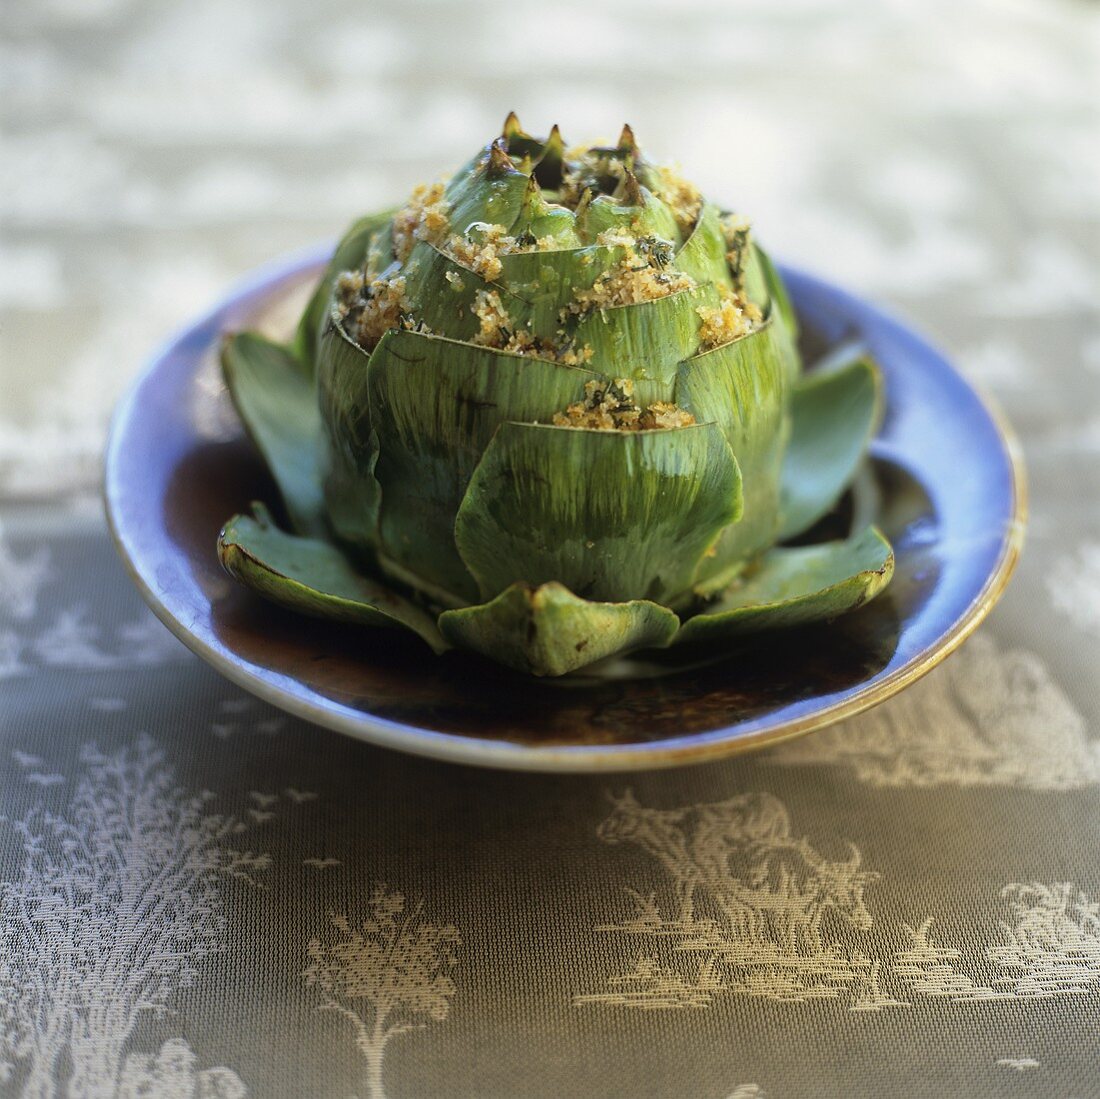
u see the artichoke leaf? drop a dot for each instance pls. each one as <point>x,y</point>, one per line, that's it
<point>278,406</point>
<point>542,284</point>
<point>647,216</point>
<point>791,587</point>
<point>613,515</point>
<point>777,291</point>
<point>350,255</point>
<point>646,341</point>
<point>703,255</point>
<point>313,577</point>
<point>352,493</point>
<point>435,404</point>
<point>442,293</point>
<point>834,412</point>
<point>544,221</point>
<point>492,193</point>
<point>548,631</point>
<point>742,386</point>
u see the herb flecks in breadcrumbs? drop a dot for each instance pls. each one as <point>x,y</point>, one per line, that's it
<point>497,331</point>
<point>368,308</point>
<point>609,406</point>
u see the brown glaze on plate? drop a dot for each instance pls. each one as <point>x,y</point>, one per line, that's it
<point>944,480</point>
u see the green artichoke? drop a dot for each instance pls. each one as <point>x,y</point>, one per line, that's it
<point>552,411</point>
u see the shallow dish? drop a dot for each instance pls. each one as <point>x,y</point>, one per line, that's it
<point>944,481</point>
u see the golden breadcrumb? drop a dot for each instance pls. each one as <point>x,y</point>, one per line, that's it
<point>497,331</point>
<point>681,196</point>
<point>635,278</point>
<point>423,217</point>
<point>493,318</point>
<point>662,414</point>
<point>370,307</point>
<point>482,255</point>
<point>736,316</point>
<point>609,406</point>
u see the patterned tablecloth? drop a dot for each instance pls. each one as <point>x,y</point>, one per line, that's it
<point>201,897</point>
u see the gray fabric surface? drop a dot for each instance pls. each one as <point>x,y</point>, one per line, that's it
<point>203,897</point>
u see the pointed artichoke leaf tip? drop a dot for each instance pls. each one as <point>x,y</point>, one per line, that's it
<point>549,162</point>
<point>511,127</point>
<point>629,191</point>
<point>532,197</point>
<point>497,162</point>
<point>580,211</point>
<point>627,143</point>
<point>555,143</point>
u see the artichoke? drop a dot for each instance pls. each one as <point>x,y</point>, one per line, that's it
<point>552,411</point>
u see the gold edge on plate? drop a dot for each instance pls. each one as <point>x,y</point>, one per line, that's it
<point>926,661</point>
<point>514,755</point>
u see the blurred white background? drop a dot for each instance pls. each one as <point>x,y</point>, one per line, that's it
<point>943,157</point>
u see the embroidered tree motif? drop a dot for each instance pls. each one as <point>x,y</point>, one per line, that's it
<point>118,901</point>
<point>389,975</point>
<point>1053,944</point>
<point>1050,947</point>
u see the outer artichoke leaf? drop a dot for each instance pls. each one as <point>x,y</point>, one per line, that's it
<point>278,405</point>
<point>442,293</point>
<point>492,193</point>
<point>352,494</point>
<point>542,284</point>
<point>703,255</point>
<point>777,291</point>
<point>313,577</point>
<point>742,386</point>
<point>548,631</point>
<point>612,515</point>
<point>791,587</point>
<point>351,253</point>
<point>651,216</point>
<point>646,341</point>
<point>833,415</point>
<point>435,404</point>
<point>545,221</point>
<point>342,385</point>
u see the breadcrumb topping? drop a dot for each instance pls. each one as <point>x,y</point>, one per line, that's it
<point>736,316</point>
<point>369,307</point>
<point>423,217</point>
<point>638,276</point>
<point>681,196</point>
<point>496,330</point>
<point>609,406</point>
<point>481,257</point>
<point>481,253</point>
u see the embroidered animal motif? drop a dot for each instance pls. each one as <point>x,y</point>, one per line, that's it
<point>695,843</point>
<point>792,890</point>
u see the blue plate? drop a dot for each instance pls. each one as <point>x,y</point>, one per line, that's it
<point>944,481</point>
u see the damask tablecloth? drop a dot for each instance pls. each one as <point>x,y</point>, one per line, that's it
<point>202,897</point>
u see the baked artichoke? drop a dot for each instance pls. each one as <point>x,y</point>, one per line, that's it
<point>552,411</point>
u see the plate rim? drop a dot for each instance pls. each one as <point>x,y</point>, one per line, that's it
<point>681,750</point>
